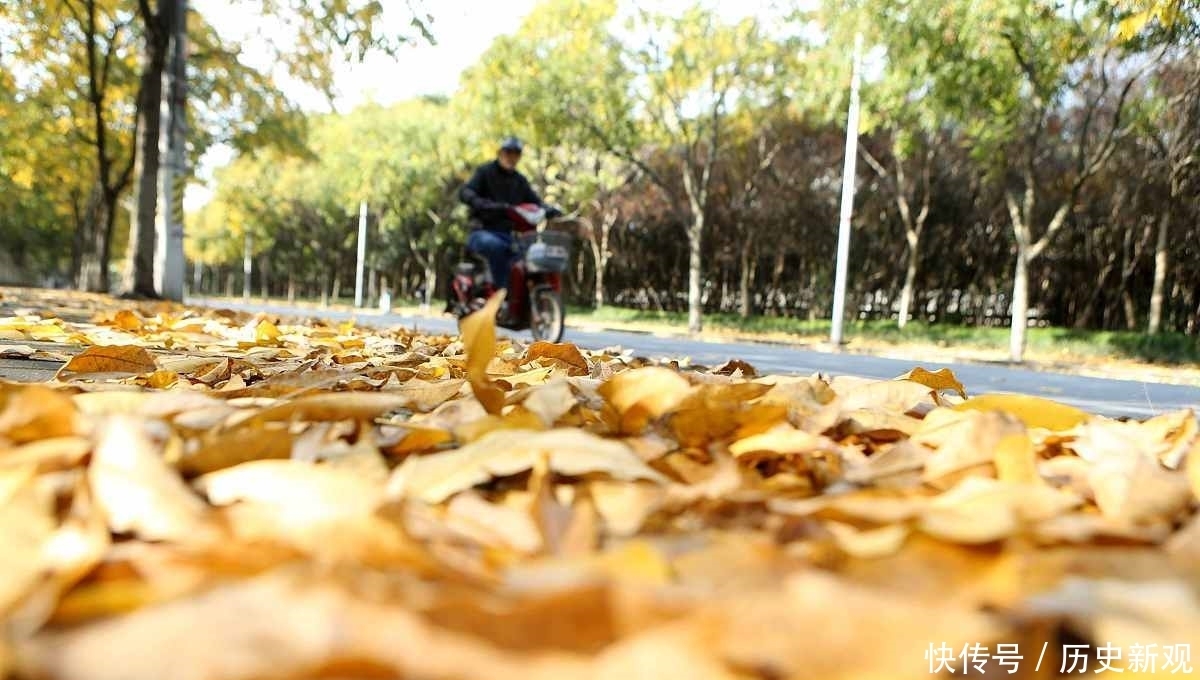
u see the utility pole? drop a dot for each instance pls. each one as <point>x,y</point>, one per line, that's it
<point>168,243</point>
<point>848,177</point>
<point>362,254</point>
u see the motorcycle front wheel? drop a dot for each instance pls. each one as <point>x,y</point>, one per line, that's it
<point>546,314</point>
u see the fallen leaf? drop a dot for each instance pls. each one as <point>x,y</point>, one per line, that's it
<point>16,351</point>
<point>266,333</point>
<point>438,476</point>
<point>26,525</point>
<point>1132,488</point>
<point>220,450</point>
<point>51,453</point>
<point>550,401</point>
<point>493,525</point>
<point>643,394</point>
<point>939,380</point>
<point>566,354</point>
<point>783,440</point>
<point>1033,411</point>
<point>479,337</point>
<point>32,412</point>
<point>126,359</point>
<point>304,490</point>
<point>1015,460</point>
<point>870,543</point>
<point>137,491</point>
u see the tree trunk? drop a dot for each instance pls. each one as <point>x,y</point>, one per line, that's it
<point>247,268</point>
<point>695,251</point>
<point>1161,262</point>
<point>291,291</point>
<point>1020,307</point>
<point>430,284</point>
<point>197,277</point>
<point>747,276</point>
<point>1130,310</point>
<point>598,253</point>
<point>336,293</point>
<point>229,277</point>
<point>140,273</point>
<point>264,274</point>
<point>910,276</point>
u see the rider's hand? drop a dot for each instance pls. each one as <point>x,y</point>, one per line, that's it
<point>553,212</point>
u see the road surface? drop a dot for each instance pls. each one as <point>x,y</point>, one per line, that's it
<point>1115,398</point>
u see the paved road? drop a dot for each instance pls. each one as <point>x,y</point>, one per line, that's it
<point>1110,397</point>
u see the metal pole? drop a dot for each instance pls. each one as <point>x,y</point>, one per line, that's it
<point>362,254</point>
<point>843,243</point>
<point>168,243</point>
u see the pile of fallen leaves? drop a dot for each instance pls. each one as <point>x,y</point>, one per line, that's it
<point>216,495</point>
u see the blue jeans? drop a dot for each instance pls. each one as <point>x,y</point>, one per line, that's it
<point>497,248</point>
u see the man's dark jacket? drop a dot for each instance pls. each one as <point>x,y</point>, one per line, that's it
<point>489,193</point>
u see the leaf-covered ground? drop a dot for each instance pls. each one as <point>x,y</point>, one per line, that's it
<point>205,494</point>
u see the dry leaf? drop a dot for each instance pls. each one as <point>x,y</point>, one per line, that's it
<point>438,476</point>
<point>644,394</point>
<point>138,492</point>
<point>869,544</point>
<point>29,413</point>
<point>1033,411</point>
<point>26,526</point>
<point>479,337</point>
<point>566,354</point>
<point>307,492</point>
<point>939,380</point>
<point>244,444</point>
<point>127,359</point>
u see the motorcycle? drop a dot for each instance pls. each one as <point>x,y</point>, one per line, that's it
<point>534,300</point>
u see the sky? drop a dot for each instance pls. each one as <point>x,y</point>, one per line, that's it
<point>463,29</point>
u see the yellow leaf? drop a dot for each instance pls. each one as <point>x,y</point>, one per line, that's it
<point>564,353</point>
<point>128,320</point>
<point>111,359</point>
<point>479,338</point>
<point>1015,460</point>
<point>266,333</point>
<point>306,491</point>
<point>241,445</point>
<point>635,562</point>
<point>32,412</point>
<point>1033,411</point>
<point>643,394</point>
<point>896,396</point>
<point>162,379</point>
<point>783,439</point>
<point>493,525</point>
<point>139,493</point>
<point>26,524</point>
<point>51,453</point>
<point>438,476</point>
<point>870,543</point>
<point>939,380</point>
<point>550,401</point>
<point>338,406</point>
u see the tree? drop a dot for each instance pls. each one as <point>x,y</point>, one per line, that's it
<point>93,88</point>
<point>687,78</point>
<point>319,32</point>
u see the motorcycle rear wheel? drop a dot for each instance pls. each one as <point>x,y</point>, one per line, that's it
<point>547,319</point>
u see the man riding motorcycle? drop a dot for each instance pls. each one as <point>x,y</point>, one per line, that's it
<point>491,192</point>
